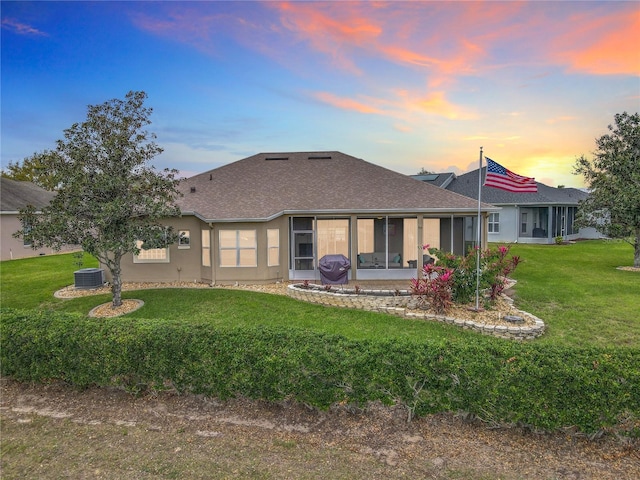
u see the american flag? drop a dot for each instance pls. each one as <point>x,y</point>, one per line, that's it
<point>500,177</point>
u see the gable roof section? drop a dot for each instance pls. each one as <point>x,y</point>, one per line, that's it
<point>441,180</point>
<point>15,195</point>
<point>267,185</point>
<point>467,185</point>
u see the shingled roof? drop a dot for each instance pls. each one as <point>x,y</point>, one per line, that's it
<point>467,185</point>
<point>15,195</point>
<point>266,185</point>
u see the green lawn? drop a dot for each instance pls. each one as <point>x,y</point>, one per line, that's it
<point>578,292</point>
<point>575,289</point>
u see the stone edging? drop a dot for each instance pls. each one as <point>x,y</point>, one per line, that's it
<point>375,301</point>
<point>93,313</point>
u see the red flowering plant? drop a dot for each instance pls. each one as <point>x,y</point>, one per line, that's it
<point>434,288</point>
<point>495,267</point>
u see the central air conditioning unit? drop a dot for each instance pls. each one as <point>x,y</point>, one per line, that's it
<point>89,278</point>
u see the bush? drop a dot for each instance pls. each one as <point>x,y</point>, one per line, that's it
<point>495,267</point>
<point>543,386</point>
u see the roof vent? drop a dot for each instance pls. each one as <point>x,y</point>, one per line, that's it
<point>276,158</point>
<point>193,189</point>
<point>320,157</point>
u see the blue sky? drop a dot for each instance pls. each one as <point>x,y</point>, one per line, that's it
<point>405,85</point>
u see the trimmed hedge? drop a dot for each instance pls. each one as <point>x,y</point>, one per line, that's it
<point>542,386</point>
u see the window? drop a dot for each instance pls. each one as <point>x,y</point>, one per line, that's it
<point>206,248</point>
<point>238,248</point>
<point>26,239</point>
<point>333,236</point>
<point>431,232</point>
<point>184,239</point>
<point>571,216</point>
<point>523,223</point>
<point>152,255</point>
<point>273,247</point>
<point>494,223</point>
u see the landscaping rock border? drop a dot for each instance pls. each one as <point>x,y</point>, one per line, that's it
<point>402,304</point>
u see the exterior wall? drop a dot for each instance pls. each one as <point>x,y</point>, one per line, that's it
<point>262,273</point>
<point>588,233</point>
<point>510,228</point>
<point>185,264</point>
<point>14,248</point>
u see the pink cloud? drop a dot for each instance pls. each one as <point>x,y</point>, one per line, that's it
<point>332,29</point>
<point>602,45</point>
<point>346,103</point>
<point>192,27</point>
<point>21,28</point>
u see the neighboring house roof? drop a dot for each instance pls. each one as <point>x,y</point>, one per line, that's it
<point>467,185</point>
<point>441,180</point>
<point>15,195</point>
<point>267,185</point>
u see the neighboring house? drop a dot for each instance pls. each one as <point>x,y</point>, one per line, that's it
<point>15,196</point>
<point>272,217</point>
<point>524,217</point>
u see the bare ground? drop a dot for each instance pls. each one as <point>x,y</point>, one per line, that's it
<point>54,431</point>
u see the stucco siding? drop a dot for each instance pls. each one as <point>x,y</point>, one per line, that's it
<point>185,264</point>
<point>14,248</point>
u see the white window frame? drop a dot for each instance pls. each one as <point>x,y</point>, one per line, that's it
<point>26,240</point>
<point>184,239</point>
<point>237,248</point>
<point>205,236</point>
<point>493,223</point>
<point>153,255</point>
<point>273,249</point>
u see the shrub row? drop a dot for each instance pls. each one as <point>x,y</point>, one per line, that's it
<point>542,386</point>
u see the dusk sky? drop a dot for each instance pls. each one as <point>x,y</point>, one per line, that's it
<point>404,85</point>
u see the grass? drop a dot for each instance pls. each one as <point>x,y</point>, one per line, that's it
<point>578,292</point>
<point>30,282</point>
<point>575,289</point>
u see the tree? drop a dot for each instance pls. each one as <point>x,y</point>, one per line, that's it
<point>424,171</point>
<point>108,197</point>
<point>613,178</point>
<point>35,168</point>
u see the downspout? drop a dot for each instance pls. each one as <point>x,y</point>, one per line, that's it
<point>211,247</point>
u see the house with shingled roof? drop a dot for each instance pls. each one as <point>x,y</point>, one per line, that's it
<point>272,217</point>
<point>523,217</point>
<point>14,196</point>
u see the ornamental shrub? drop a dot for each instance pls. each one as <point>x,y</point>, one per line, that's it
<point>533,384</point>
<point>495,267</point>
<point>435,288</point>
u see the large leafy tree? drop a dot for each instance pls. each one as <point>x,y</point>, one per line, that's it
<point>35,168</point>
<point>613,178</point>
<point>108,196</point>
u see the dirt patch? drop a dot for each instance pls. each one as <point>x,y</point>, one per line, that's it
<point>52,431</point>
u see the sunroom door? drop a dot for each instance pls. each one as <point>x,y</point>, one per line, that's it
<point>303,243</point>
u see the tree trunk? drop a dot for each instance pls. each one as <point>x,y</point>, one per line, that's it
<point>116,285</point>
<point>636,250</point>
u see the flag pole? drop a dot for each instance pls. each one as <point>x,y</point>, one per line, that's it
<point>479,235</point>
